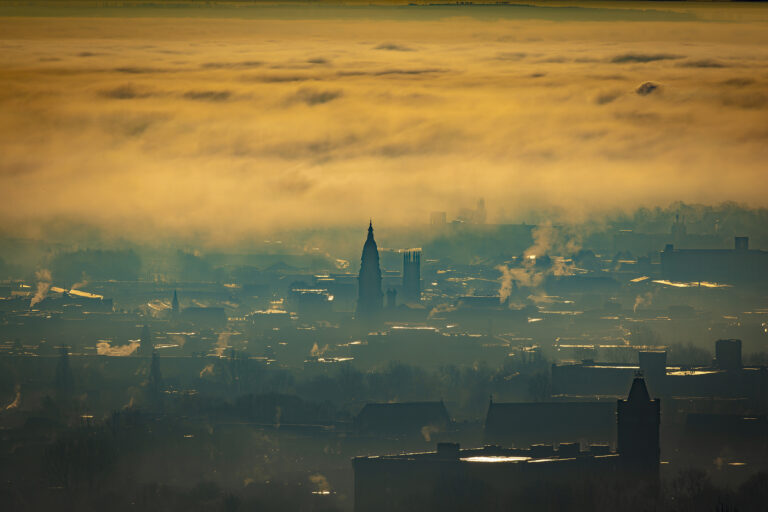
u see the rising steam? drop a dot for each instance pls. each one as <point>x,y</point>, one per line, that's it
<point>547,239</point>
<point>105,348</point>
<point>642,300</point>
<point>43,277</point>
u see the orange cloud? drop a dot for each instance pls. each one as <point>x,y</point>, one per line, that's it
<point>223,128</point>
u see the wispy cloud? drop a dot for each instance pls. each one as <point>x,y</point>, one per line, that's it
<point>256,125</point>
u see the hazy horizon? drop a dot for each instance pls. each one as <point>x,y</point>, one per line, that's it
<point>227,122</point>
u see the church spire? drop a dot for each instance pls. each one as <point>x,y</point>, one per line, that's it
<point>370,297</point>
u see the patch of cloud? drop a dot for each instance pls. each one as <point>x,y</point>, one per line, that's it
<point>513,56</point>
<point>421,139</point>
<point>635,116</point>
<point>232,65</point>
<point>384,72</point>
<point>124,92</point>
<point>277,78</point>
<point>607,77</point>
<point>394,47</point>
<point>311,96</point>
<point>607,97</point>
<point>642,57</point>
<point>738,81</point>
<point>129,124</point>
<point>747,100</point>
<point>646,88</point>
<point>207,95</point>
<point>138,70</point>
<point>701,63</point>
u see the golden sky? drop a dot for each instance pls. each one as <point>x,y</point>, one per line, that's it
<point>224,126</point>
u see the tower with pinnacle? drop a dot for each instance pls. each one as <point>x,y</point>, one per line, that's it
<point>369,295</point>
<point>639,418</point>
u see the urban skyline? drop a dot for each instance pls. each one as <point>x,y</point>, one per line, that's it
<point>383,256</point>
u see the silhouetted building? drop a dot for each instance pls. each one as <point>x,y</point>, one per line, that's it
<point>175,304</point>
<point>146,347</point>
<point>679,231</point>
<point>311,303</point>
<point>205,317</point>
<point>495,478</point>
<point>743,437</point>
<point>402,419</point>
<point>653,364</point>
<point>728,354</point>
<point>369,295</point>
<point>437,218</point>
<point>391,298</point>
<point>481,479</point>
<point>412,275</point>
<point>522,424</point>
<point>739,265</point>
<point>725,378</point>
<point>473,216</point>
<point>638,419</point>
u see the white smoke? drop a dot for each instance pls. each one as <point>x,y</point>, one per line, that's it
<point>427,431</point>
<point>548,240</point>
<point>105,348</point>
<point>320,483</point>
<point>208,370</point>
<point>316,351</point>
<point>525,276</point>
<point>222,343</point>
<point>43,277</point>
<point>16,400</point>
<point>645,299</point>
<point>79,284</point>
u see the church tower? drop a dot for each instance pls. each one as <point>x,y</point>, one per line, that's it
<point>412,275</point>
<point>638,431</point>
<point>369,295</point>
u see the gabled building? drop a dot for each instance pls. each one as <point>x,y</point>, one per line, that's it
<point>495,478</point>
<point>402,419</point>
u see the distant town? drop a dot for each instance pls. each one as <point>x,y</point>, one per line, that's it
<point>417,377</point>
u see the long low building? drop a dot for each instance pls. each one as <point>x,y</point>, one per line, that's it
<point>725,378</point>
<point>450,478</point>
<point>740,265</point>
<point>495,478</point>
<point>524,423</point>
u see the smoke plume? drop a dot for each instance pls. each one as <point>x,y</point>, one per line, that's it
<point>43,277</point>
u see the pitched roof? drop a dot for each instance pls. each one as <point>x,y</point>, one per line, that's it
<point>401,418</point>
<point>638,392</point>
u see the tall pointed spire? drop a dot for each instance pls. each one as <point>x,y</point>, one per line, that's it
<point>369,296</point>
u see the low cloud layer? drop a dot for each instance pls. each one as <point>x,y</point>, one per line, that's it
<point>226,128</point>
